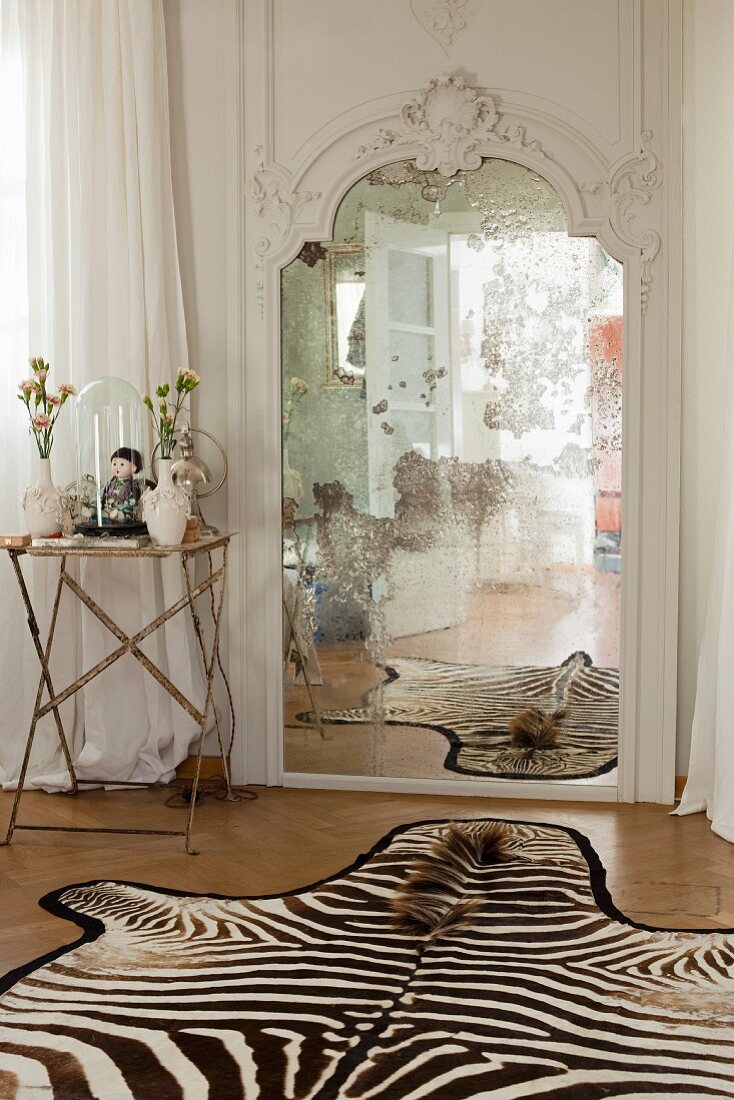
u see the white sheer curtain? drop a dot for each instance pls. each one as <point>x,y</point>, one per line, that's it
<point>710,785</point>
<point>89,279</point>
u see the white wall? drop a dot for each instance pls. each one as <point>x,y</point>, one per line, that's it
<point>708,171</point>
<point>199,34</point>
<point>199,39</point>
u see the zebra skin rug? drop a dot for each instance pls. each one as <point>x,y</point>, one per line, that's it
<point>455,961</point>
<point>472,705</point>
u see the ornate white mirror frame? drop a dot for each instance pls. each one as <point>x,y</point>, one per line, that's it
<point>631,204</point>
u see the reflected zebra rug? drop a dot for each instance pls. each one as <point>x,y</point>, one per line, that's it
<point>472,706</point>
<point>455,961</point>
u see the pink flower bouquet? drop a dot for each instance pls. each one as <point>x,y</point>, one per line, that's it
<point>165,417</point>
<point>43,407</point>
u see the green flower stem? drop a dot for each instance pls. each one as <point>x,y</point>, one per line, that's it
<point>163,427</point>
<point>290,408</point>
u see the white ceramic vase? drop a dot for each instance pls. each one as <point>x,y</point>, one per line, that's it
<point>42,504</point>
<point>165,508</point>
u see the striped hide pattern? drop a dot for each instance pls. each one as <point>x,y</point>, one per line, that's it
<point>472,706</point>
<point>456,961</point>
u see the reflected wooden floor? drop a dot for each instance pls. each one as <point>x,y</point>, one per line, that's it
<point>521,624</point>
<point>505,625</point>
<point>662,871</point>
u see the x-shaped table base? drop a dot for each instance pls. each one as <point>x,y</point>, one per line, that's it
<point>128,644</point>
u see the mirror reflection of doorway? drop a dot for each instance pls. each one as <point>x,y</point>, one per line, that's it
<point>452,380</point>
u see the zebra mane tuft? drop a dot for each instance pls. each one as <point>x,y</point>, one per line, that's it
<point>533,728</point>
<point>432,899</point>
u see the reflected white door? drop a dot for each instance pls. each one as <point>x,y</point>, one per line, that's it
<point>409,374</point>
<point>410,402</point>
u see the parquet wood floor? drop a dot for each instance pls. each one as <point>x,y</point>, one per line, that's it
<point>671,872</point>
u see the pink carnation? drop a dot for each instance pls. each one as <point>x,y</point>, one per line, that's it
<point>41,422</point>
<point>53,399</point>
<point>189,375</point>
<point>66,387</point>
<point>27,385</point>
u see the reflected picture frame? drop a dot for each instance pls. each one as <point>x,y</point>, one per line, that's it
<point>340,258</point>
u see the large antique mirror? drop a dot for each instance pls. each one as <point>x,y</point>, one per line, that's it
<point>452,456</point>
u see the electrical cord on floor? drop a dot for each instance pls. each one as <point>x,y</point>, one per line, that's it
<point>213,787</point>
<point>216,785</point>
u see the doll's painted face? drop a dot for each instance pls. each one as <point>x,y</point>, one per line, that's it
<point>122,468</point>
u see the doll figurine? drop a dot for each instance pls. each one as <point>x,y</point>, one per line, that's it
<point>122,492</point>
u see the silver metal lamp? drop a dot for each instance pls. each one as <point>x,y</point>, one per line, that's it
<point>193,475</point>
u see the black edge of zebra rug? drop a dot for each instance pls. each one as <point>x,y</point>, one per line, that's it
<point>472,705</point>
<point>455,960</point>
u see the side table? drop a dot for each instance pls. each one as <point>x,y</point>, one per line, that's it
<point>128,644</point>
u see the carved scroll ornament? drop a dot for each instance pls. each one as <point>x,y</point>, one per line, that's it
<point>442,19</point>
<point>453,125</point>
<point>278,205</point>
<point>276,201</point>
<point>630,187</point>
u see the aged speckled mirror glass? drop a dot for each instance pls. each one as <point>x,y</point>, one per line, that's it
<point>452,456</point>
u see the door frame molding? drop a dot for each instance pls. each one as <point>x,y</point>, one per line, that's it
<point>630,203</point>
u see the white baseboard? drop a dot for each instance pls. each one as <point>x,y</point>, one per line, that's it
<point>481,788</point>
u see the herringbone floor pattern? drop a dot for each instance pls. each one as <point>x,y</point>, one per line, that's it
<point>663,871</point>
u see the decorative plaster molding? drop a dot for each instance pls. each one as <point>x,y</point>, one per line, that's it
<point>260,288</point>
<point>442,19</point>
<point>383,139</point>
<point>453,125</point>
<point>630,187</point>
<point>270,189</point>
<point>275,200</point>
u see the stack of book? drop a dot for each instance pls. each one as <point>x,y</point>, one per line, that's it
<point>103,542</point>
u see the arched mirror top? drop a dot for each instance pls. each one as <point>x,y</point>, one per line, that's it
<point>505,198</point>
<point>509,213</point>
<point>447,131</point>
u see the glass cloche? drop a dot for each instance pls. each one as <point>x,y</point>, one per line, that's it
<point>110,458</point>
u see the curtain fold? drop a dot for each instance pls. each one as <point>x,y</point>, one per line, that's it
<point>103,298</point>
<point>710,784</point>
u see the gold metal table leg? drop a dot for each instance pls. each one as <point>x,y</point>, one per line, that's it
<point>209,668</point>
<point>129,645</point>
<point>200,639</point>
<point>45,681</point>
<point>225,681</point>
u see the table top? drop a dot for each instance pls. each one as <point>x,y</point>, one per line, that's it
<point>87,551</point>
